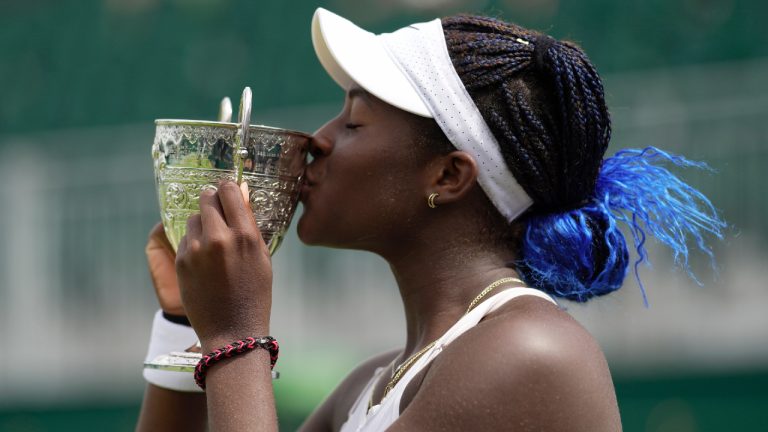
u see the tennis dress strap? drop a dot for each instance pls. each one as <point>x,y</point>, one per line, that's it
<point>381,416</point>
<point>359,409</point>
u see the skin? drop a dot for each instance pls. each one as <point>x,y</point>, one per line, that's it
<point>528,366</point>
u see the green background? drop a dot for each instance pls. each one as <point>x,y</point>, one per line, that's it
<point>92,64</point>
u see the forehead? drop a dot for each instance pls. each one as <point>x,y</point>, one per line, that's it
<point>360,97</point>
<point>358,93</point>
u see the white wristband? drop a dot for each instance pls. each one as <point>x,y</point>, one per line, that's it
<point>166,337</point>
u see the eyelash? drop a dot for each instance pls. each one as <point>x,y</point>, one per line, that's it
<point>352,126</point>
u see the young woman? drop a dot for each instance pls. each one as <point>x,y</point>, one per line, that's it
<point>470,155</point>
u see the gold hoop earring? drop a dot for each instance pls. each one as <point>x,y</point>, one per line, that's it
<point>431,199</point>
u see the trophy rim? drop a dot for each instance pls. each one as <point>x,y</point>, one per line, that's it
<point>228,125</point>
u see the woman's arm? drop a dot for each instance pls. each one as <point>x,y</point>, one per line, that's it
<point>239,390</point>
<point>225,276</point>
<point>163,409</point>
<point>168,410</point>
<point>240,393</point>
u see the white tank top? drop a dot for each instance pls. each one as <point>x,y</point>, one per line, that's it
<point>381,416</point>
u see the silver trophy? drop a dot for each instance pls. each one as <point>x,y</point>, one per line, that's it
<point>192,155</point>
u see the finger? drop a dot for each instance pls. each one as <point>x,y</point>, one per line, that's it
<point>159,253</point>
<point>247,200</point>
<point>244,190</point>
<point>212,215</point>
<point>238,216</point>
<point>194,231</point>
<point>194,228</point>
<point>182,249</point>
<point>158,237</point>
<point>162,270</point>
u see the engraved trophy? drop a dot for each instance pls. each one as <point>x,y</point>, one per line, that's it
<point>193,155</point>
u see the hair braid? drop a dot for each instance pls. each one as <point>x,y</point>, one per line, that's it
<point>558,113</point>
<point>544,102</point>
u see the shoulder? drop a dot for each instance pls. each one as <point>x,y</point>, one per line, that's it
<point>332,413</point>
<point>529,364</point>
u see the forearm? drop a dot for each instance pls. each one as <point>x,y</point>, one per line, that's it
<point>225,278</point>
<point>169,410</point>
<point>170,400</point>
<point>239,391</point>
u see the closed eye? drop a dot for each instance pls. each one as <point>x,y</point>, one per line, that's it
<point>352,126</point>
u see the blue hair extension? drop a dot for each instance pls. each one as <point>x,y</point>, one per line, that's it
<point>581,253</point>
<point>545,103</point>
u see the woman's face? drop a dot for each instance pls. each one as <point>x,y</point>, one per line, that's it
<point>363,184</point>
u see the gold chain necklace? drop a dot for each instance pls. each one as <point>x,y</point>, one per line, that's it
<point>406,365</point>
<point>488,289</point>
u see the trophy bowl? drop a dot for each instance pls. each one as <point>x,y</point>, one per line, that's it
<point>191,156</point>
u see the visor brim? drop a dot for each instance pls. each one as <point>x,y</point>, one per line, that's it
<point>352,55</point>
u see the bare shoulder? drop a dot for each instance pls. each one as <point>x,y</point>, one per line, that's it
<point>527,366</point>
<point>332,413</point>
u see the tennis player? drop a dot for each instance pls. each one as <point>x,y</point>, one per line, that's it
<point>470,155</point>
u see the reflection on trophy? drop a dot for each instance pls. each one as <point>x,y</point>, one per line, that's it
<point>191,156</point>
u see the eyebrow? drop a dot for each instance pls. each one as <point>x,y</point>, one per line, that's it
<point>359,92</point>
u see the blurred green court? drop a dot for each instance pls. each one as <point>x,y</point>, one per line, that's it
<point>81,83</point>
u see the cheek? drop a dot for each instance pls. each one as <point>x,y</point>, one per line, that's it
<point>378,181</point>
<point>388,181</point>
<point>369,186</point>
<point>362,203</point>
<point>381,201</point>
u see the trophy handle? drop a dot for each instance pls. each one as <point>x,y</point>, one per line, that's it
<point>243,130</point>
<point>225,110</point>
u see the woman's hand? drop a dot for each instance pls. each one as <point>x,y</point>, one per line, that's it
<point>162,268</point>
<point>224,269</point>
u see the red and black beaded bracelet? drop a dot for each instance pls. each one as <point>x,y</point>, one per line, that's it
<point>237,347</point>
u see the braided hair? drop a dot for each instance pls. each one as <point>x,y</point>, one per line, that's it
<point>544,102</point>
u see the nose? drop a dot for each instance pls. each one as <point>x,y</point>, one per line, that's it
<point>321,143</point>
<point>319,146</point>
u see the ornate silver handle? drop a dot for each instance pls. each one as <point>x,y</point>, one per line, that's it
<point>225,110</point>
<point>243,130</point>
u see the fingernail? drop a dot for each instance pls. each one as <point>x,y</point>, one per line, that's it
<point>244,190</point>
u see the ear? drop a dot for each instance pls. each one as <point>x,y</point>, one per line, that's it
<point>452,176</point>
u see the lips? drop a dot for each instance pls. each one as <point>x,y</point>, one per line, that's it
<point>308,182</point>
<point>304,191</point>
<point>306,185</point>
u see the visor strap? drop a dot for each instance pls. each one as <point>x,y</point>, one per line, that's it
<point>420,52</point>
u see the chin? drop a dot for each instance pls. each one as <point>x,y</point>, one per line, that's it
<point>312,232</point>
<point>303,237</point>
<point>329,230</point>
<point>305,232</point>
